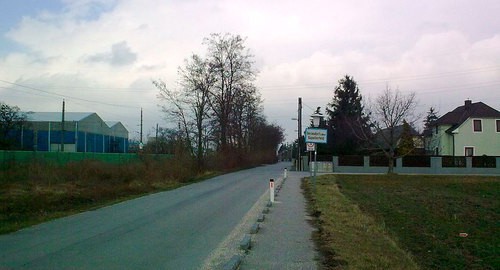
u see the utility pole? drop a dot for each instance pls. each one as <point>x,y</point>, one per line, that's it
<point>62,127</point>
<point>141,128</point>
<point>299,134</point>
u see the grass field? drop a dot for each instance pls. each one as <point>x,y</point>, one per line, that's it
<point>439,222</point>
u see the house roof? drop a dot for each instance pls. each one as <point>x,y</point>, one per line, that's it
<point>466,111</point>
<point>111,123</point>
<point>57,116</point>
<point>383,135</point>
<point>115,125</point>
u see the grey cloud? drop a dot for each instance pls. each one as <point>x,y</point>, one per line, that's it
<point>120,55</point>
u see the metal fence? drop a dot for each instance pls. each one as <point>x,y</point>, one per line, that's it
<point>60,158</point>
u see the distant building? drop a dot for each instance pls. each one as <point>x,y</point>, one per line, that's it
<point>472,129</point>
<point>381,140</point>
<point>82,132</point>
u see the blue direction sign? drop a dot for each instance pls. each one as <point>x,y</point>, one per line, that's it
<point>316,135</point>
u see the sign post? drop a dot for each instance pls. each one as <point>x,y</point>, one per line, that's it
<point>310,148</point>
<point>316,135</point>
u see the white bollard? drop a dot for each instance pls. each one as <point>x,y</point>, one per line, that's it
<point>271,190</point>
<point>285,172</point>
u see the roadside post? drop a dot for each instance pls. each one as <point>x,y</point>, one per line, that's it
<point>271,190</point>
<point>285,172</point>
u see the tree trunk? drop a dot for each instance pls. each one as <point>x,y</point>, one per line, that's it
<point>390,169</point>
<point>199,152</point>
<point>390,156</point>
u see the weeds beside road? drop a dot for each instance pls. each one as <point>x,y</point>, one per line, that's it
<point>441,222</point>
<point>36,192</point>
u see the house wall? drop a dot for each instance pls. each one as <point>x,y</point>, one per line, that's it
<point>442,140</point>
<point>486,142</point>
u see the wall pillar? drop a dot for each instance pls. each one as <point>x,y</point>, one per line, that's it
<point>366,162</point>
<point>468,164</point>
<point>436,164</point>
<point>335,161</point>
<point>399,165</point>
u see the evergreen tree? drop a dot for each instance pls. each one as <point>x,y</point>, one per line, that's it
<point>406,144</point>
<point>432,116</point>
<point>346,119</point>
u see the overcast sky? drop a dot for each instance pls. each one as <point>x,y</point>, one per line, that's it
<point>101,56</point>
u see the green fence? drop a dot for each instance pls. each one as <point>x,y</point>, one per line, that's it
<point>12,157</point>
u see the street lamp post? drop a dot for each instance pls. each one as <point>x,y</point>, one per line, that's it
<point>297,163</point>
<point>316,119</point>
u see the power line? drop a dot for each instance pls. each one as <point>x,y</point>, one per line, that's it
<point>383,80</point>
<point>68,97</point>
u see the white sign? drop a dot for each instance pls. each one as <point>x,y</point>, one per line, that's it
<point>316,135</point>
<point>311,147</point>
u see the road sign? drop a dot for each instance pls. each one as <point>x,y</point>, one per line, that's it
<point>311,147</point>
<point>316,135</point>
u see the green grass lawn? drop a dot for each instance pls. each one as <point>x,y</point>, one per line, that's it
<point>426,216</point>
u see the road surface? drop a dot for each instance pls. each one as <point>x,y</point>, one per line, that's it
<point>176,229</point>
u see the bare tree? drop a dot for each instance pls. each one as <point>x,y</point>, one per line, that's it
<point>232,66</point>
<point>176,110</point>
<point>197,78</point>
<point>388,113</point>
<point>189,106</point>
<point>217,102</point>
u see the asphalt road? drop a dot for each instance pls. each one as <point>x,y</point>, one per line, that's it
<point>176,229</point>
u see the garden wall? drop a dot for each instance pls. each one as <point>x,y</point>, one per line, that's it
<point>481,165</point>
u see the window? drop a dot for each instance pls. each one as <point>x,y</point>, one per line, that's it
<point>469,151</point>
<point>477,125</point>
<point>498,125</point>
